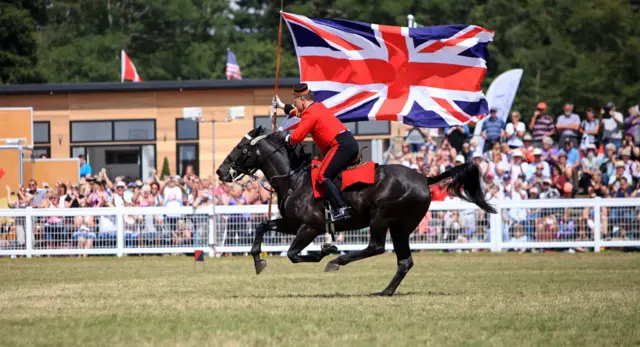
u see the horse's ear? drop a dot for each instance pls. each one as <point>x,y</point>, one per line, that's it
<point>259,130</point>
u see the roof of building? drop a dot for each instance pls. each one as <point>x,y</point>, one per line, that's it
<point>146,86</point>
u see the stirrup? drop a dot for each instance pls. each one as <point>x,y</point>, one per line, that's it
<point>341,214</point>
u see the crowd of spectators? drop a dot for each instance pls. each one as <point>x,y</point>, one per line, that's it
<point>587,155</point>
<point>550,157</point>
<point>592,155</point>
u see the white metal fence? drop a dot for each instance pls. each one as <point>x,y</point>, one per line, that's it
<point>579,224</point>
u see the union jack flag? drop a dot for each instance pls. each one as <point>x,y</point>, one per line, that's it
<point>426,77</point>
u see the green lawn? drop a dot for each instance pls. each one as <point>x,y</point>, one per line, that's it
<point>451,299</point>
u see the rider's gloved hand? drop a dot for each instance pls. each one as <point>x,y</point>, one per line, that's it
<point>276,103</point>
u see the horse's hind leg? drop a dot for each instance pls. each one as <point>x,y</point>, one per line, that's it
<point>376,246</point>
<point>400,238</point>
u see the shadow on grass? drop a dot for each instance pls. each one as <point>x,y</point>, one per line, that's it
<point>332,295</point>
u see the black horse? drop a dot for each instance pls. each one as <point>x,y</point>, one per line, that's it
<point>397,201</point>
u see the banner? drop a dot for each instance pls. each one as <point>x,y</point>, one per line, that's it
<point>500,95</point>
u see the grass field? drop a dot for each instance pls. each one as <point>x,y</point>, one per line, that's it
<point>446,300</point>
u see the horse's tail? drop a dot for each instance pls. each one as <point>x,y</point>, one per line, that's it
<point>465,184</point>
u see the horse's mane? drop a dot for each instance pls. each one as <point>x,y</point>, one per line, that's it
<point>296,153</point>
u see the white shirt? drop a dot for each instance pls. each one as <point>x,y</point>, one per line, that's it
<point>512,134</point>
<point>118,201</point>
<point>611,129</point>
<point>173,198</point>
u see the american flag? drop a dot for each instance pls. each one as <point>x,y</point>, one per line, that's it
<point>426,77</point>
<point>233,70</point>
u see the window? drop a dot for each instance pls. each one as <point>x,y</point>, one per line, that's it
<point>187,154</point>
<point>76,151</point>
<point>186,129</point>
<point>267,122</point>
<point>39,151</point>
<point>121,156</point>
<point>374,128</point>
<point>91,131</point>
<point>134,130</point>
<point>108,131</point>
<point>41,132</point>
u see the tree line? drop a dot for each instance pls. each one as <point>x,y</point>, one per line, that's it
<point>581,51</point>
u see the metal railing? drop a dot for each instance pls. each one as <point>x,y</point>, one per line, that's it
<point>580,224</point>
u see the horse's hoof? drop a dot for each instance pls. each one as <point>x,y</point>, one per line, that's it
<point>329,249</point>
<point>260,265</point>
<point>331,267</point>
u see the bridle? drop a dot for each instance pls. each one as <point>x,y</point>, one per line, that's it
<point>238,173</point>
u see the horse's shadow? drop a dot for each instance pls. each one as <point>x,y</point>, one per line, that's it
<point>334,295</point>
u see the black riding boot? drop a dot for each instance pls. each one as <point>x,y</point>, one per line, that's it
<point>340,209</point>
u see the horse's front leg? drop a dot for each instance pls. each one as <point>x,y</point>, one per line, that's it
<point>306,234</point>
<point>277,225</point>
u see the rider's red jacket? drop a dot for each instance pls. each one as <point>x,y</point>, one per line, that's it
<point>323,125</point>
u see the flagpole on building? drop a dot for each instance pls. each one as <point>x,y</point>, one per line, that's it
<point>122,66</point>
<point>275,111</point>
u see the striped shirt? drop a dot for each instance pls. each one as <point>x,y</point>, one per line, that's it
<point>493,127</point>
<point>542,126</point>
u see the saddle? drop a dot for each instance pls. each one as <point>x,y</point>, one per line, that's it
<point>357,173</point>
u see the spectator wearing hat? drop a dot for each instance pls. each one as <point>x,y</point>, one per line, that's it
<point>568,125</point>
<point>528,148</point>
<point>477,160</point>
<point>628,144</point>
<point>589,166</point>
<point>611,122</point>
<point>632,124</point>
<point>573,155</point>
<point>614,180</point>
<point>515,131</point>
<point>589,128</point>
<point>518,167</point>
<point>541,124</point>
<point>630,166</point>
<point>548,191</point>
<point>119,197</point>
<point>537,162</point>
<point>492,129</point>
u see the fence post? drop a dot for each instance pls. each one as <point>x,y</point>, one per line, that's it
<point>597,224</point>
<point>28,231</point>
<point>213,220</point>
<point>495,228</point>
<point>120,233</point>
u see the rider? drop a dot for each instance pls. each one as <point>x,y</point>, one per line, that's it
<point>338,146</point>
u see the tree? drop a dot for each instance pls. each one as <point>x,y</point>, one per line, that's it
<point>18,47</point>
<point>165,169</point>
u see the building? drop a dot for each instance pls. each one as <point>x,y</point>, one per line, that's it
<point>130,128</point>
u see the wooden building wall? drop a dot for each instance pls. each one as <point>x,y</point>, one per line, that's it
<point>163,106</point>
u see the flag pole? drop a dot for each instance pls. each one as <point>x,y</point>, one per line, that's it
<point>275,111</point>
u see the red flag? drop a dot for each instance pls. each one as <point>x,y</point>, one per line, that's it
<point>128,70</point>
<point>2,173</point>
<point>199,255</point>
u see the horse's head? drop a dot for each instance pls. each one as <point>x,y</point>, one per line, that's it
<point>244,157</point>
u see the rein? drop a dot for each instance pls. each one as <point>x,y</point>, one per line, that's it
<point>251,173</point>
